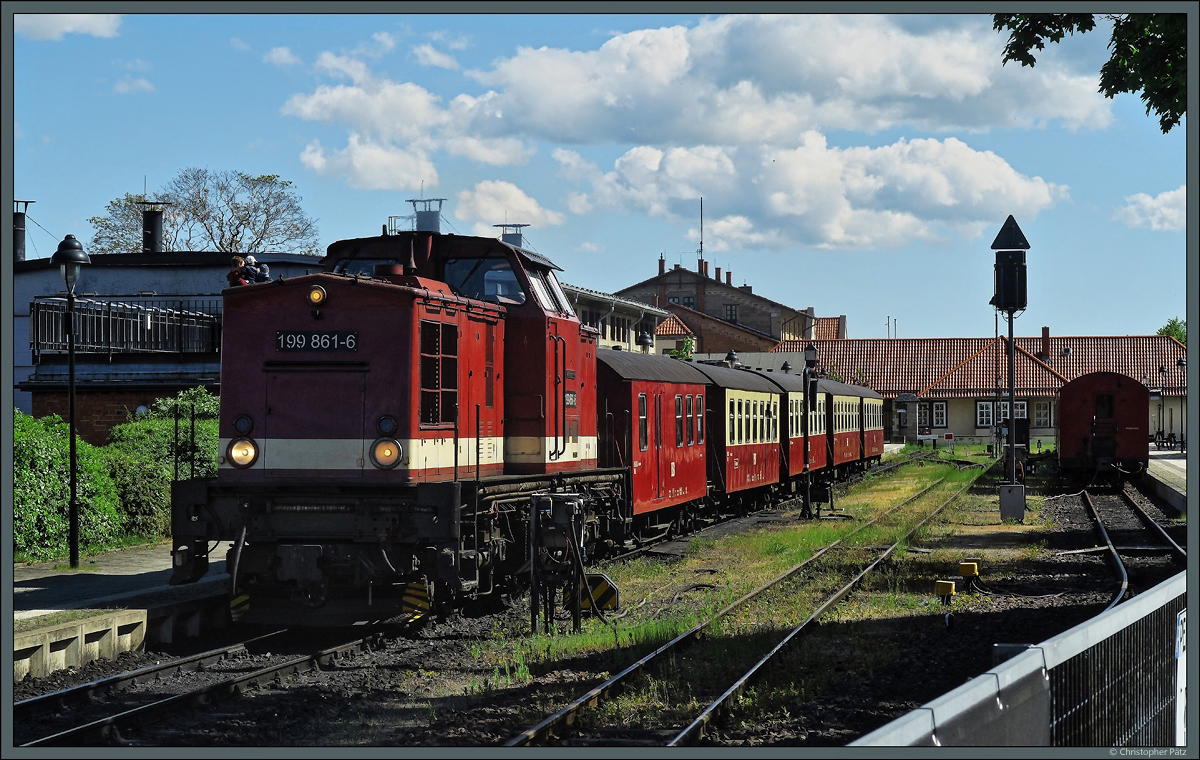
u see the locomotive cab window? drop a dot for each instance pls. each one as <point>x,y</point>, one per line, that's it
<point>485,280</point>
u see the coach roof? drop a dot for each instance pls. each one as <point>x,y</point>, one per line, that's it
<point>842,389</point>
<point>736,379</point>
<point>633,366</point>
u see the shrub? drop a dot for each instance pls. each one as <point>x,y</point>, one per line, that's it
<point>152,440</point>
<point>144,492</point>
<point>41,490</point>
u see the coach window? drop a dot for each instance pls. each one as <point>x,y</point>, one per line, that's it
<point>678,420</point>
<point>641,422</point>
<point>983,414</point>
<point>741,437</point>
<point>731,433</point>
<point>699,419</point>
<point>691,423</point>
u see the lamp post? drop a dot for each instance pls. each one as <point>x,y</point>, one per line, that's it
<point>1010,246</point>
<point>1182,364</point>
<point>645,341</point>
<point>70,257</point>
<point>1162,400</point>
<point>810,400</point>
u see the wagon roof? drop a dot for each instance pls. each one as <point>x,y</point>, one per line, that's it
<point>737,379</point>
<point>633,366</point>
<point>789,383</point>
<point>835,388</point>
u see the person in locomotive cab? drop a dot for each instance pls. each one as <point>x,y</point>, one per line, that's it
<point>258,272</point>
<point>237,275</point>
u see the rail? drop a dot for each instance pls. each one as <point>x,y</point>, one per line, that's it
<point>127,325</point>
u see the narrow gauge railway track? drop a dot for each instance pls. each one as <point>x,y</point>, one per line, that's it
<point>1133,541</point>
<point>564,722</point>
<point>787,501</point>
<point>101,711</point>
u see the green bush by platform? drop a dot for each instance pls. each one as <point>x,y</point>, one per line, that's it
<point>124,487</point>
<point>41,491</point>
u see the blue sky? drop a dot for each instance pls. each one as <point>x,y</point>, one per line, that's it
<point>858,164</point>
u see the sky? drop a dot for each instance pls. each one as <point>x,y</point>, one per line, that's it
<point>858,164</point>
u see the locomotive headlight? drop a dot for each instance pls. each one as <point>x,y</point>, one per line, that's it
<point>243,425</point>
<point>386,453</point>
<point>242,452</point>
<point>316,295</point>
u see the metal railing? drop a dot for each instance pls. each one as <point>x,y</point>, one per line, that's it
<point>1116,680</point>
<point>127,325</point>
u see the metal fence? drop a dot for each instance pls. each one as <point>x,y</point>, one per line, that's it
<point>1117,680</point>
<point>127,325</point>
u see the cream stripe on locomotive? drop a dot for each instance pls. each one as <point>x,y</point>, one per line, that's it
<point>751,417</point>
<point>351,453</point>
<point>521,449</point>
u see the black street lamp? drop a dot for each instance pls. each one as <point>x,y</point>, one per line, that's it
<point>70,257</point>
<point>810,401</point>
<point>645,341</point>
<point>1162,399</point>
<point>1182,364</point>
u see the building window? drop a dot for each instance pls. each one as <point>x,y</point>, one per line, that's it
<point>983,414</point>
<point>1021,410</point>
<point>672,299</point>
<point>939,414</point>
<point>1041,414</point>
<point>923,415</point>
<point>902,415</point>
<point>689,301</point>
<point>731,312</point>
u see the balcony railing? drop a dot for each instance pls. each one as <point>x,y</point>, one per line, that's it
<point>127,325</point>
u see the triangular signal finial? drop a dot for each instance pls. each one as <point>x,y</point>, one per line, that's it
<point>1010,237</point>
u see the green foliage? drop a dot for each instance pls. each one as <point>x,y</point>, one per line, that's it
<point>153,441</point>
<point>1175,328</point>
<point>685,350</point>
<point>213,210</point>
<point>206,406</point>
<point>144,491</point>
<point>41,490</point>
<point>1148,53</point>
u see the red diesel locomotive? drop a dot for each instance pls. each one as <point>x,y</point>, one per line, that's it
<point>385,421</point>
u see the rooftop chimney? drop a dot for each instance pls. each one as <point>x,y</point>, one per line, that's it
<point>662,264</point>
<point>152,215</point>
<point>718,277</point>
<point>729,278</point>
<point>1045,352</point>
<point>19,230</point>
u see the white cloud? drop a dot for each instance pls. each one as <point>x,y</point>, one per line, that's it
<point>130,84</point>
<point>370,165</point>
<point>52,26</point>
<point>1166,211</point>
<point>588,247</point>
<point>817,196</point>
<point>453,41</point>
<point>239,44</point>
<point>494,202</point>
<point>281,56</point>
<point>427,55</point>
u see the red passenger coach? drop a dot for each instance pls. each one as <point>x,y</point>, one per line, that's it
<point>744,450</point>
<point>1104,421</point>
<point>854,421</point>
<point>652,409</point>
<point>803,453</point>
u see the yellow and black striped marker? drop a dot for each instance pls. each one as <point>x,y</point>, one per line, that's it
<point>238,605</point>
<point>416,598</point>
<point>603,591</point>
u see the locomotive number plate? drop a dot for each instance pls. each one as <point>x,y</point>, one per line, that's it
<point>316,340</point>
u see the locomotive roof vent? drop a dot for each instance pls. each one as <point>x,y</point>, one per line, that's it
<point>511,234</point>
<point>428,218</point>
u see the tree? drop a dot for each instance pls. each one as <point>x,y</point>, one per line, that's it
<point>1175,328</point>
<point>231,212</point>
<point>1148,53</point>
<point>684,350</point>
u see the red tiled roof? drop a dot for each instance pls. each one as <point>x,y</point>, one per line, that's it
<point>826,328</point>
<point>966,367</point>
<point>672,325</point>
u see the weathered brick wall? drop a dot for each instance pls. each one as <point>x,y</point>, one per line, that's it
<point>97,411</point>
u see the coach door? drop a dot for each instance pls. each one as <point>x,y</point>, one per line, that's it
<point>313,426</point>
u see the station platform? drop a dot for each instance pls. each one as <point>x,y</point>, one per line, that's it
<point>1168,477</point>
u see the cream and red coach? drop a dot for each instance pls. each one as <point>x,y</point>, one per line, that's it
<point>854,421</point>
<point>804,452</point>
